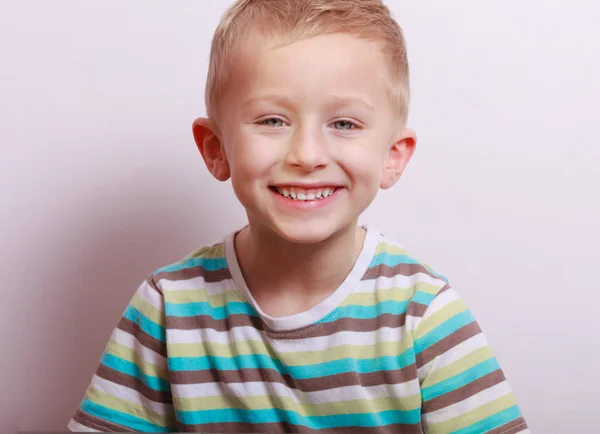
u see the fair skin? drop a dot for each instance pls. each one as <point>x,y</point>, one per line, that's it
<point>304,121</point>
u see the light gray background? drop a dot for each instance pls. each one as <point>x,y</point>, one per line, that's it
<point>100,183</point>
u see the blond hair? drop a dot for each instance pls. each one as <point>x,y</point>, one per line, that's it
<point>283,22</point>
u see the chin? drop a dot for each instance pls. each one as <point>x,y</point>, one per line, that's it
<point>307,232</point>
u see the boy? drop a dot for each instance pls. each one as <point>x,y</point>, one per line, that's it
<point>301,321</point>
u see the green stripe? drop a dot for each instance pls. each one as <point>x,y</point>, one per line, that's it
<point>256,348</point>
<point>254,402</point>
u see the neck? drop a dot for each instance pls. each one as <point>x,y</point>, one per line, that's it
<point>270,262</point>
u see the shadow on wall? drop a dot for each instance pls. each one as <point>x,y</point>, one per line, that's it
<point>102,247</point>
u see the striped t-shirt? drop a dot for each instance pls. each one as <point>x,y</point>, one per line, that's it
<point>393,350</point>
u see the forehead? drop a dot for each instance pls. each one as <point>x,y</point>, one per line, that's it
<point>340,66</point>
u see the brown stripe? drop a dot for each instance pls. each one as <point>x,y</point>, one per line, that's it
<point>133,383</point>
<point>399,376</point>
<point>207,322</point>
<point>464,392</point>
<point>440,347</point>
<point>285,427</point>
<point>513,427</point>
<point>311,331</point>
<point>209,276</point>
<point>144,338</point>
<point>342,324</point>
<point>383,270</point>
<point>416,309</point>
<point>98,424</point>
<point>239,427</point>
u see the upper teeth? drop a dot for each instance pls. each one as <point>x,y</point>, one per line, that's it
<point>303,194</point>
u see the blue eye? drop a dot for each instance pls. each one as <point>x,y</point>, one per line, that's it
<point>344,125</point>
<point>272,122</point>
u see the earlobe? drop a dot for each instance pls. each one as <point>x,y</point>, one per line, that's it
<point>211,148</point>
<point>398,157</point>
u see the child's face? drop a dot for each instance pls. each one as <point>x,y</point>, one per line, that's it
<point>306,120</point>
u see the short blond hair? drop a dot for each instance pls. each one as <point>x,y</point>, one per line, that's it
<point>283,22</point>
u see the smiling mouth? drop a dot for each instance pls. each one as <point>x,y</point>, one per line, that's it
<point>305,194</point>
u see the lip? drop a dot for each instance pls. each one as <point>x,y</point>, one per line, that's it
<point>311,186</point>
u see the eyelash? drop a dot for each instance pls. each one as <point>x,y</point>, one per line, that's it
<point>265,120</point>
<point>353,125</point>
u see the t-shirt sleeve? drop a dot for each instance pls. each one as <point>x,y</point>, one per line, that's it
<point>463,388</point>
<point>130,390</point>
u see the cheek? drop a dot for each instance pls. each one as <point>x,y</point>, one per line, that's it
<point>246,158</point>
<point>364,164</point>
<point>251,166</point>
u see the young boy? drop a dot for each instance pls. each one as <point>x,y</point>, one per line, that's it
<point>301,321</point>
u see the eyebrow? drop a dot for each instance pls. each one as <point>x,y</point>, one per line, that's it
<point>342,102</point>
<point>277,99</point>
<point>335,103</point>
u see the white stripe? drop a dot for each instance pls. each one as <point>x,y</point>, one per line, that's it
<point>441,301</point>
<point>199,336</point>
<point>198,282</point>
<point>398,281</point>
<point>382,335</point>
<point>436,304</point>
<point>288,346</point>
<point>455,353</point>
<point>130,341</point>
<point>130,395</point>
<point>423,371</point>
<point>339,394</point>
<point>463,407</point>
<point>77,427</point>
<point>151,296</point>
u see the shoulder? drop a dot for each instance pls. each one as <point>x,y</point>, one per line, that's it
<point>396,274</point>
<point>206,264</point>
<point>434,310</point>
<point>394,262</point>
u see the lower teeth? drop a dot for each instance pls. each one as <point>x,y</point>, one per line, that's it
<point>303,200</point>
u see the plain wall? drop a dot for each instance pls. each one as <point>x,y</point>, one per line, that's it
<point>101,183</point>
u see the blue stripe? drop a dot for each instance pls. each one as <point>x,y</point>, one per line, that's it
<point>276,415</point>
<point>233,308</point>
<point>481,369</point>
<point>120,418</point>
<point>492,422</point>
<point>204,308</point>
<point>369,312</point>
<point>445,329</point>
<point>261,361</point>
<point>133,370</point>
<point>423,297</point>
<point>391,260</point>
<point>209,264</point>
<point>155,330</point>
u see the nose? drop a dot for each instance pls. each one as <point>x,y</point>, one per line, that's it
<point>307,150</point>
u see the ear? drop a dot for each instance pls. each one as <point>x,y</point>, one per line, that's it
<point>210,147</point>
<point>398,157</point>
